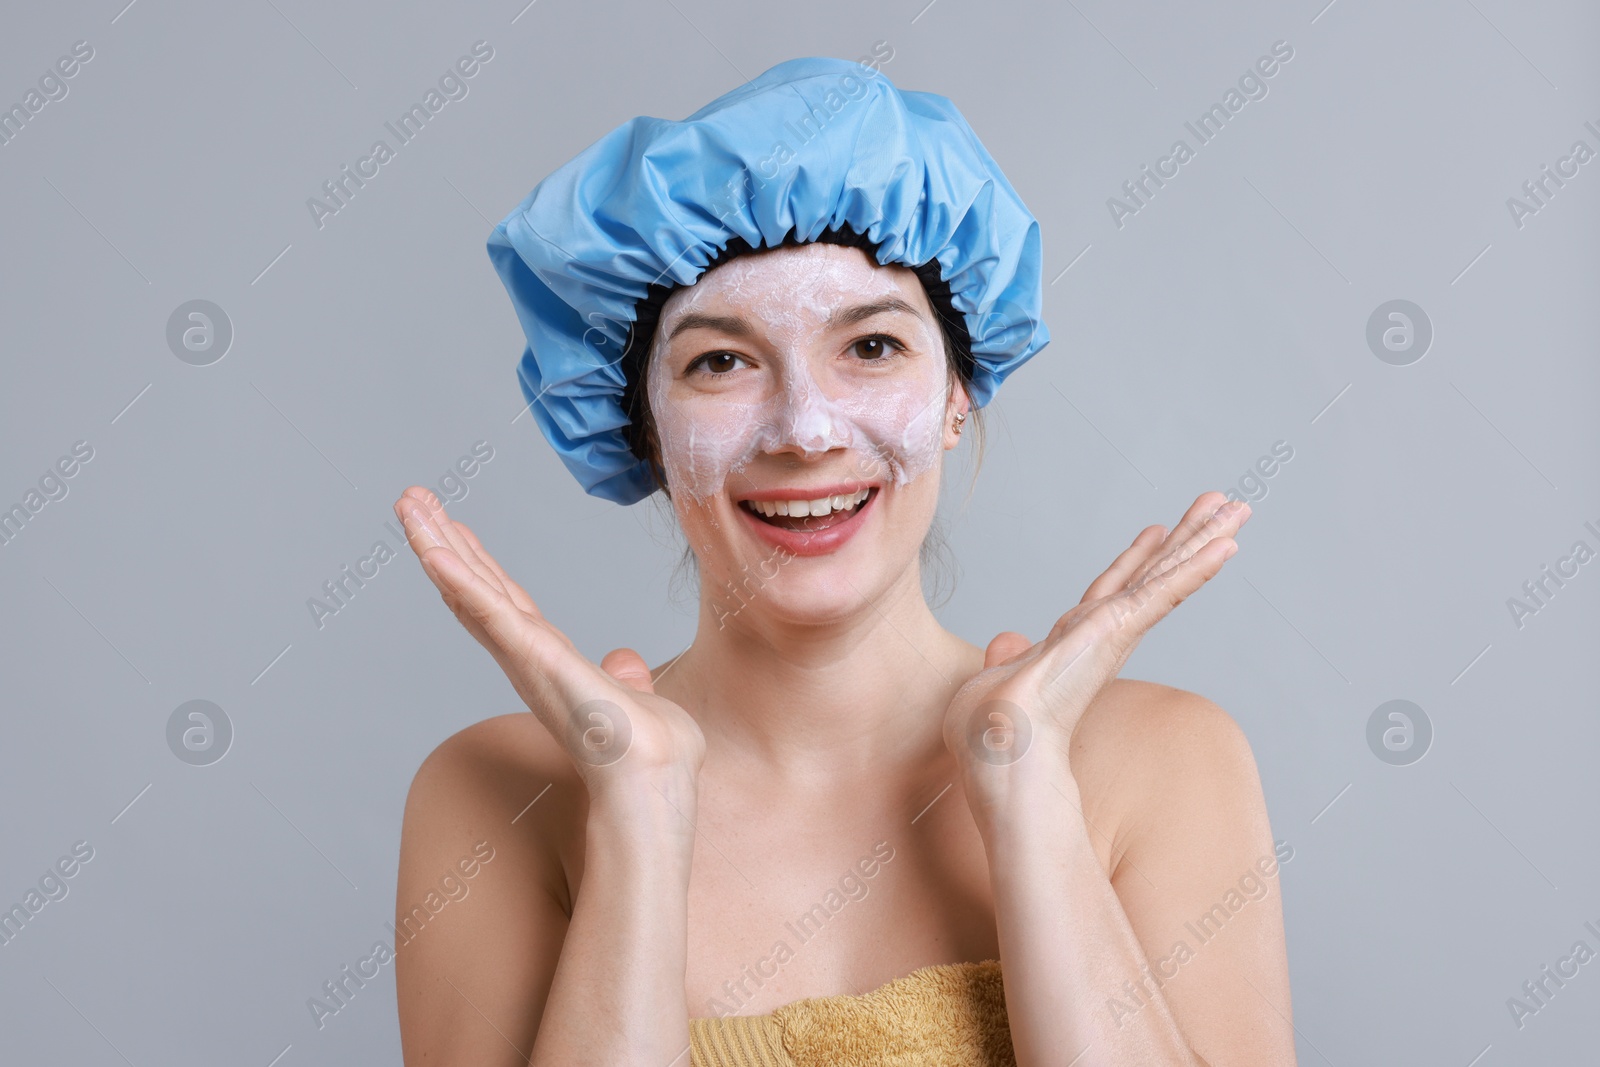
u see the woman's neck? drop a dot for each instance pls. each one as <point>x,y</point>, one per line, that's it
<point>823,700</point>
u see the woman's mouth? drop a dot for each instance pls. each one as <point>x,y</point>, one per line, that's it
<point>815,514</point>
<point>809,526</point>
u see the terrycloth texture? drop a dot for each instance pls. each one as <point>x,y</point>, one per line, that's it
<point>949,1015</point>
<point>809,145</point>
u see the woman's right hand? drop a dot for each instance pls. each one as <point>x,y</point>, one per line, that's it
<point>609,718</point>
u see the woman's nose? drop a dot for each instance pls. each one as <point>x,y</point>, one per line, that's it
<point>807,420</point>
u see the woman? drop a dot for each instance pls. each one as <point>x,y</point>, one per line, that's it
<point>829,831</point>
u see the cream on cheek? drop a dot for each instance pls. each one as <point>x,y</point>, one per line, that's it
<point>890,420</point>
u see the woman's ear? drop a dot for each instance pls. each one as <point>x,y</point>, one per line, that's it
<point>957,411</point>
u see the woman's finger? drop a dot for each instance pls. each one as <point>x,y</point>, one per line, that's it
<point>1153,543</point>
<point>1205,505</point>
<point>528,650</point>
<point>1103,636</point>
<point>423,538</point>
<point>430,567</point>
<point>433,515</point>
<point>1212,515</point>
<point>629,668</point>
<point>1006,645</point>
<point>518,595</point>
<point>1124,567</point>
<point>494,609</point>
<point>1094,650</point>
<point>423,523</point>
<point>1157,593</point>
<point>542,664</point>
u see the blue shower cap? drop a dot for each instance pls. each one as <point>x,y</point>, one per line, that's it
<point>811,145</point>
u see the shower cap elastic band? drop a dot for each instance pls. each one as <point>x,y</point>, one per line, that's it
<point>811,145</point>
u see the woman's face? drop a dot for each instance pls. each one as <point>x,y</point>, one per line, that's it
<point>797,374</point>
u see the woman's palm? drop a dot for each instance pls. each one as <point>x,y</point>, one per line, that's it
<point>608,717</point>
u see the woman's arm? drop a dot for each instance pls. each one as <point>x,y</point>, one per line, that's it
<point>503,975</point>
<point>618,994</point>
<point>471,982</point>
<point>1179,957</point>
<point>603,981</point>
<point>1070,941</point>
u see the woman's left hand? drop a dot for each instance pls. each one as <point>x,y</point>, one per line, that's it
<point>1019,712</point>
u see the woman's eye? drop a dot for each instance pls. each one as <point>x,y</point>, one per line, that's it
<point>876,347</point>
<point>715,362</point>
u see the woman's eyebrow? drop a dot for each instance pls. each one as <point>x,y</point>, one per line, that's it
<point>728,324</point>
<point>861,312</point>
<point>737,327</point>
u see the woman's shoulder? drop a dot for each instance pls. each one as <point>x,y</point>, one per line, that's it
<point>1132,716</point>
<point>505,779</point>
<point>1143,747</point>
<point>496,758</point>
<point>515,739</point>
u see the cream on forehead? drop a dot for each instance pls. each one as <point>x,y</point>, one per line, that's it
<point>892,426</point>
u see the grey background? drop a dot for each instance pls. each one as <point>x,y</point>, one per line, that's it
<point>370,354</point>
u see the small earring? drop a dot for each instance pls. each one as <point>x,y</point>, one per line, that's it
<point>960,418</point>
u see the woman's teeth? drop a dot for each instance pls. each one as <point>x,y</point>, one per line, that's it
<point>800,508</point>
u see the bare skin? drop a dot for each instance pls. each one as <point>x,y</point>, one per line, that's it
<point>833,713</point>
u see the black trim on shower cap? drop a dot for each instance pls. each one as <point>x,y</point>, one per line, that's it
<point>647,316</point>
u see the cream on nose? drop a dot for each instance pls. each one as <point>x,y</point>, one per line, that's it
<point>808,420</point>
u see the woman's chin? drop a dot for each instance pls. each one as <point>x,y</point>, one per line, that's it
<point>819,604</point>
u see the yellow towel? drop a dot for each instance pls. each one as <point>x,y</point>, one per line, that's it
<point>948,1015</point>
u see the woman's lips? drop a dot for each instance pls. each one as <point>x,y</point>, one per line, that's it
<point>819,535</point>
